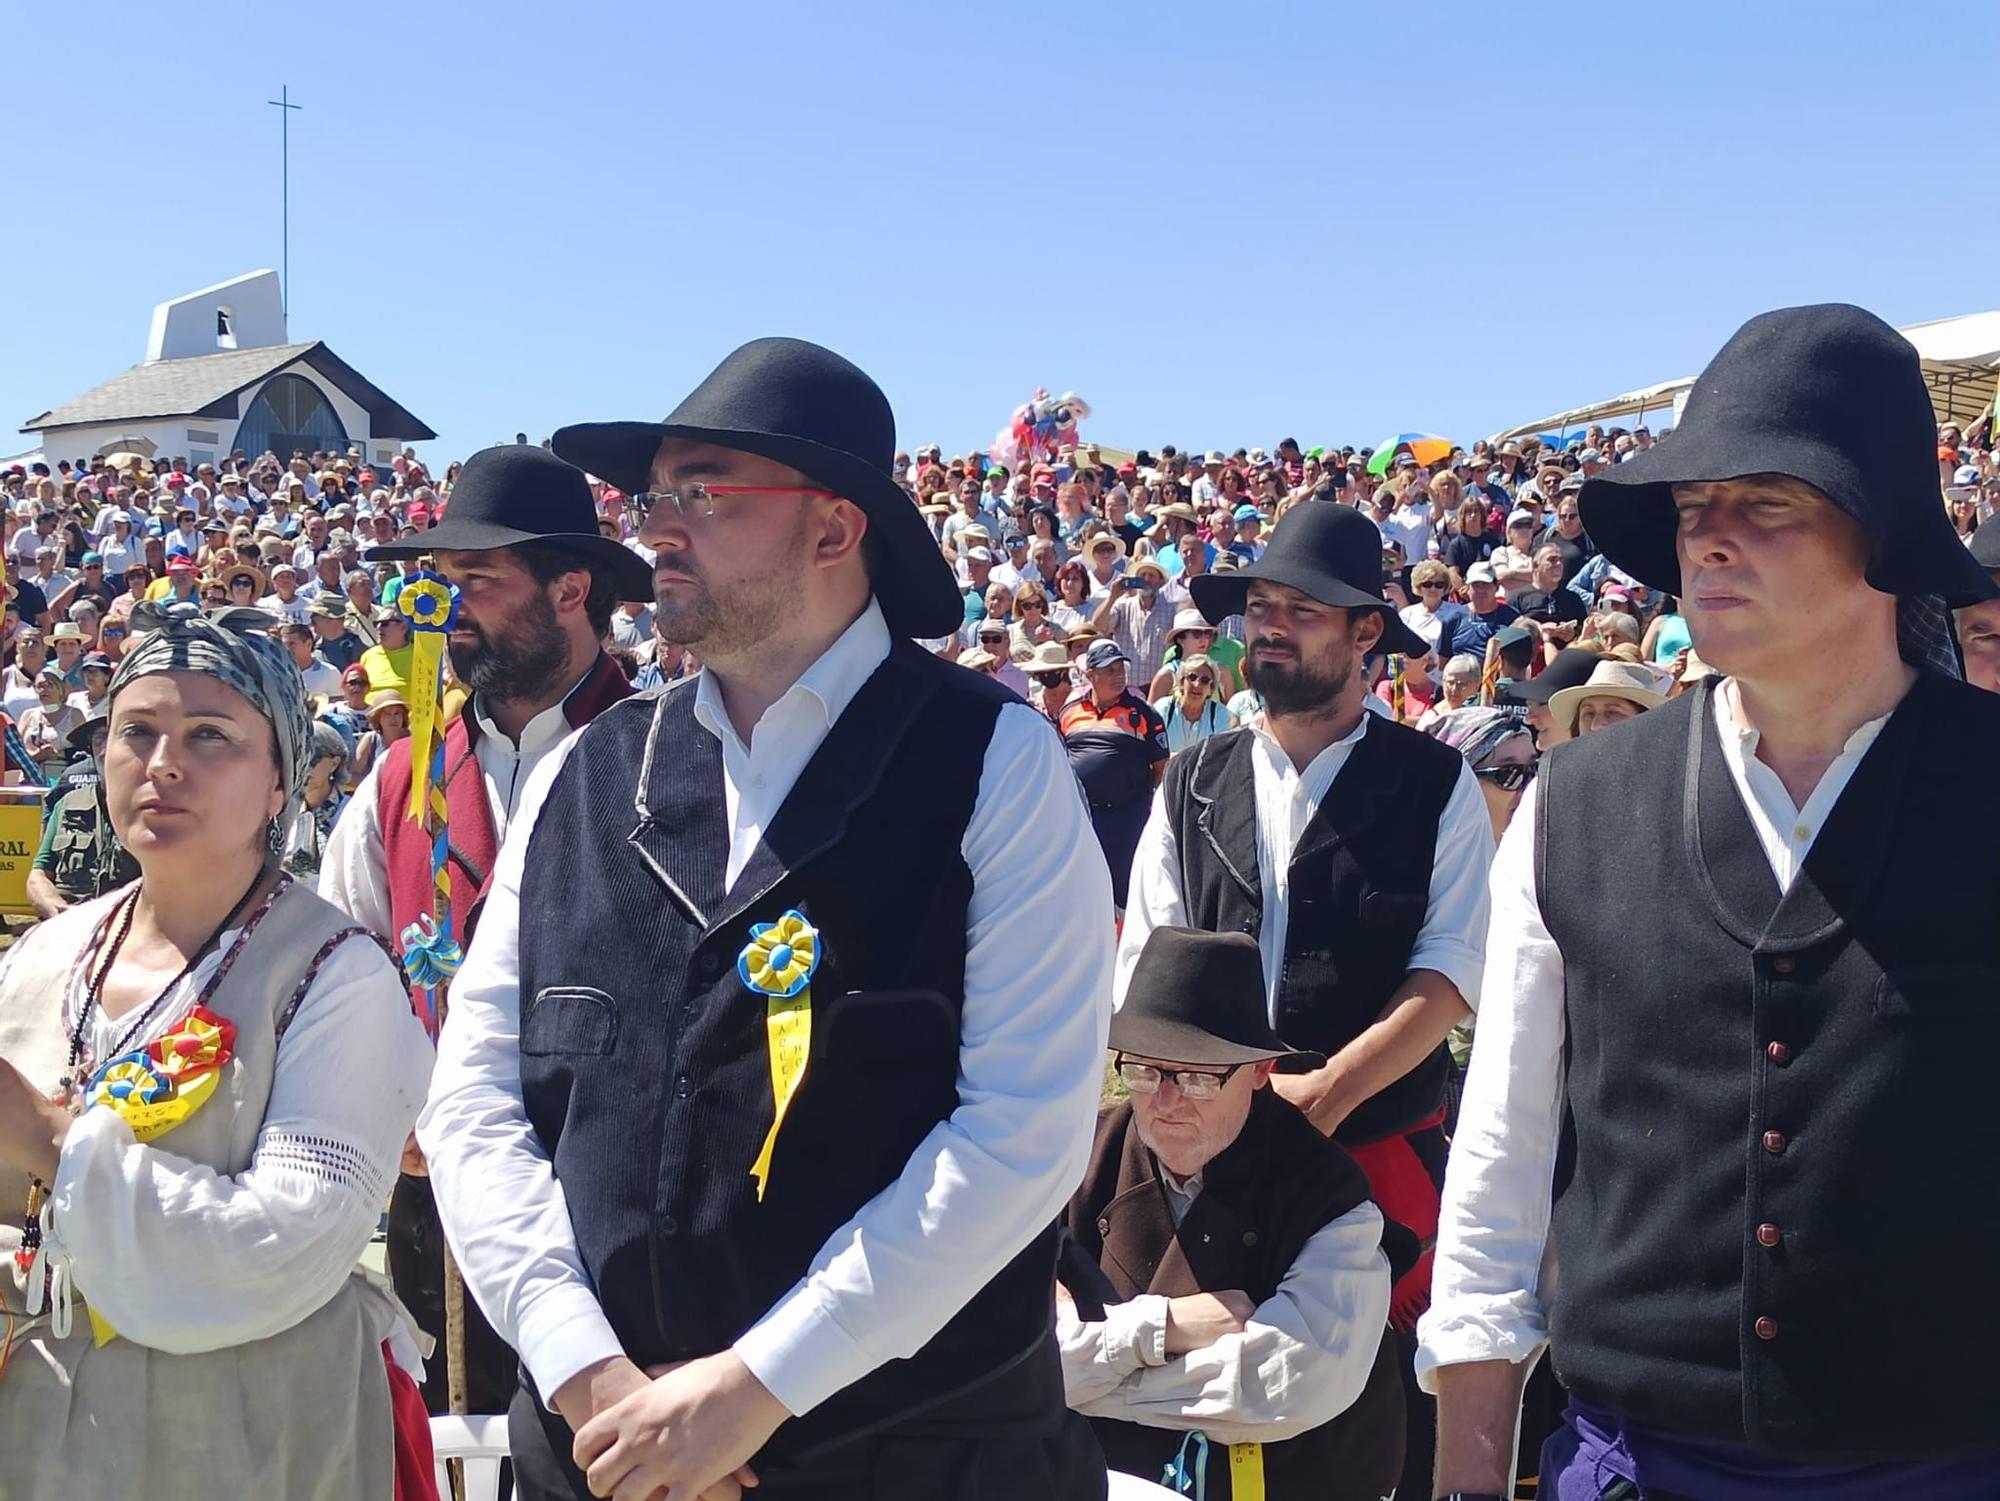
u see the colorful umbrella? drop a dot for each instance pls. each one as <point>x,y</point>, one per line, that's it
<point>1425,448</point>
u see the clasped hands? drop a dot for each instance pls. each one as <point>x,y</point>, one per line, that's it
<point>681,1432</point>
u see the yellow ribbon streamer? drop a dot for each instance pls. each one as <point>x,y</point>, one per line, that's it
<point>426,659</point>
<point>1246,1472</point>
<point>788,1027</point>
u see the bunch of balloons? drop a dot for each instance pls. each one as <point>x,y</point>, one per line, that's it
<point>1041,427</point>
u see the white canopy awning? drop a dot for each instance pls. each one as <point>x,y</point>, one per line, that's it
<point>1961,364</point>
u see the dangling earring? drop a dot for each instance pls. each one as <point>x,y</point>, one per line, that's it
<point>274,839</point>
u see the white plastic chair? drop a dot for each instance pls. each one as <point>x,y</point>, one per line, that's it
<point>1131,1488</point>
<point>481,1443</point>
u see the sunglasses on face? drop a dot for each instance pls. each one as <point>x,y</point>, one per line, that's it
<point>1195,1083</point>
<point>1206,682</point>
<point>1506,778</point>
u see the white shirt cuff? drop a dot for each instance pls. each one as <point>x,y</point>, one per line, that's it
<point>800,1354</point>
<point>1135,1332</point>
<point>1459,1338</point>
<point>562,1332</point>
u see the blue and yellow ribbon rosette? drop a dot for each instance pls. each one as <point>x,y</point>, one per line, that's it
<point>430,605</point>
<point>778,963</point>
<point>153,1089</point>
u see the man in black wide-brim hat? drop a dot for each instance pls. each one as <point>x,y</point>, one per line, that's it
<point>1770,1158</point>
<point>751,1123</point>
<point>1355,849</point>
<point>537,585</point>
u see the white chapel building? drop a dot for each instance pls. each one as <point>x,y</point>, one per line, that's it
<point>219,377</point>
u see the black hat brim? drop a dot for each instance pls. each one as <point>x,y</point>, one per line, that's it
<point>915,586</point>
<point>632,573</point>
<point>1180,1042</point>
<point>1628,510</point>
<point>1220,595</point>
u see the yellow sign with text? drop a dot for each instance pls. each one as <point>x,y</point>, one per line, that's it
<point>20,837</point>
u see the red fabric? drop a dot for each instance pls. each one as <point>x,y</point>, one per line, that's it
<point>1404,1191</point>
<point>416,1463</point>
<point>407,848</point>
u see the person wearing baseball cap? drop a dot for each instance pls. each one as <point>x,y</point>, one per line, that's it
<point>1751,1087</point>
<point>1117,745</point>
<point>852,1283</point>
<point>1355,849</point>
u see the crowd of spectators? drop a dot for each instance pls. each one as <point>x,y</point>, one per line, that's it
<point>1075,573</point>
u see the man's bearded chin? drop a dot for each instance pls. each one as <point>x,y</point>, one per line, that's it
<point>1297,686</point>
<point>525,667</point>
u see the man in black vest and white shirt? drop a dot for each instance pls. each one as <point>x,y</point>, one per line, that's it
<point>1747,1077</point>
<point>751,1124</point>
<point>1355,849</point>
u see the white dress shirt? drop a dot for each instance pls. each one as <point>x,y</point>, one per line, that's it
<point>1301,1360</point>
<point>1495,1273</point>
<point>975,1191</point>
<point>1451,939</point>
<point>354,875</point>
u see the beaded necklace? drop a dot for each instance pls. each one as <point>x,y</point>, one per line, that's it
<point>69,1087</point>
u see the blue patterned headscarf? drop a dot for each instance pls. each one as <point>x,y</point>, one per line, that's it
<point>232,644</point>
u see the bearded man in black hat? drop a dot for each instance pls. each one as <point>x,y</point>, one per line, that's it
<point>1224,1316</point>
<point>537,585</point>
<point>750,1124</point>
<point>1355,849</point>
<point>1766,1151</point>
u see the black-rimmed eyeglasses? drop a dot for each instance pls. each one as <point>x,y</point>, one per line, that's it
<point>1195,1083</point>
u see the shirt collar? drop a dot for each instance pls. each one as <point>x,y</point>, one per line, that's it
<point>829,685</point>
<point>1748,736</point>
<point>1282,759</point>
<point>539,735</point>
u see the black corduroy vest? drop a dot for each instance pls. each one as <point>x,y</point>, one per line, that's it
<point>645,1067</point>
<point>1273,1188</point>
<point>1776,1216</point>
<point>1359,884</point>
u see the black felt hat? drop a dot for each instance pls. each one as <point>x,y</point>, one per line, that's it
<point>516,493</point>
<point>1828,394</point>
<point>1323,549</point>
<point>1198,998</point>
<point>1570,668</point>
<point>805,407</point>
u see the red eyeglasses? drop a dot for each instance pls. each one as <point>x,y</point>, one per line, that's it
<point>695,501</point>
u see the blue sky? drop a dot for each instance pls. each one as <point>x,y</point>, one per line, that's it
<point>1220,224</point>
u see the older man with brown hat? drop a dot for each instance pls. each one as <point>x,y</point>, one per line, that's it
<point>1226,1274</point>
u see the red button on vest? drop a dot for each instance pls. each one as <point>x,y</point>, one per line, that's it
<point>1774,1141</point>
<point>1766,1327</point>
<point>1768,1235</point>
<point>1784,964</point>
<point>1778,1052</point>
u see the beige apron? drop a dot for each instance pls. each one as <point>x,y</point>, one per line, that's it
<point>303,1415</point>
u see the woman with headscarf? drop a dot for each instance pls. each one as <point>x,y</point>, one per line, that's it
<point>1500,749</point>
<point>323,799</point>
<point>206,1081</point>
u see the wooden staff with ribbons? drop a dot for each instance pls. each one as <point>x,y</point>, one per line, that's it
<point>430,947</point>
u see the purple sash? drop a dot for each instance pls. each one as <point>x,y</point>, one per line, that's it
<point>1594,1449</point>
